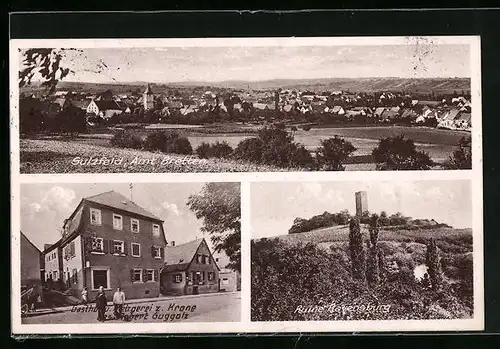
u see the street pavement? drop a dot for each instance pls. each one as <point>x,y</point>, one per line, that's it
<point>212,307</point>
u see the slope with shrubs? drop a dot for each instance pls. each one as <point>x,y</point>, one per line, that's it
<point>290,275</point>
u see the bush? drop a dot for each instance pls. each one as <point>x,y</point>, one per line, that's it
<point>216,150</point>
<point>168,142</point>
<point>285,277</point>
<point>306,127</point>
<point>333,152</point>
<point>461,158</point>
<point>125,139</point>
<point>400,153</point>
<point>249,149</point>
<point>221,149</point>
<point>181,145</point>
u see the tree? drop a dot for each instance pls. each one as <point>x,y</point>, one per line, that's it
<point>46,65</point>
<point>400,153</point>
<point>333,152</point>
<point>461,158</point>
<point>433,262</point>
<point>373,267</point>
<point>218,204</point>
<point>358,259</point>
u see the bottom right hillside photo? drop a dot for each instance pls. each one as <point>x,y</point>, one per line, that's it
<point>367,250</point>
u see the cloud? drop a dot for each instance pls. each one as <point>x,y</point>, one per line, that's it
<point>55,200</point>
<point>171,208</point>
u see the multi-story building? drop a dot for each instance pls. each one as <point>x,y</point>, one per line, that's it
<point>110,241</point>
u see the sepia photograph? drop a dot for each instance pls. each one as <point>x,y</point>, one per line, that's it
<point>128,253</point>
<point>375,250</point>
<point>261,105</point>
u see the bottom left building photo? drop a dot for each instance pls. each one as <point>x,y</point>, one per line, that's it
<point>130,252</point>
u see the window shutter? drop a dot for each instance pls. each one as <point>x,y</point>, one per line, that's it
<point>144,275</point>
<point>131,275</point>
<point>162,252</point>
<point>125,248</point>
<point>152,251</point>
<point>105,246</point>
<point>156,275</point>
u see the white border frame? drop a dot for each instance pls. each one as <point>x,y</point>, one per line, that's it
<point>474,175</point>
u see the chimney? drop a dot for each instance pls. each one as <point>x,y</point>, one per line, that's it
<point>172,243</point>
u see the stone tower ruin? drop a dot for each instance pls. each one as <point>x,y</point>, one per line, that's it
<point>361,202</point>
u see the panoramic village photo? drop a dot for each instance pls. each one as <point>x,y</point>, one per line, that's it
<point>130,252</point>
<point>398,250</point>
<point>240,108</point>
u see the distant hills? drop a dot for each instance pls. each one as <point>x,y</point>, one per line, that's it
<point>427,85</point>
<point>346,84</point>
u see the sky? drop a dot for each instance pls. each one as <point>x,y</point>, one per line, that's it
<point>274,206</point>
<point>212,64</point>
<point>45,206</point>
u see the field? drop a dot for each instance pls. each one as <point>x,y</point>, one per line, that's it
<point>439,144</point>
<point>58,156</point>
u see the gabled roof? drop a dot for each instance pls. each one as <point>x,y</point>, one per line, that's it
<point>464,117</point>
<point>179,257</point>
<point>82,104</point>
<point>116,200</point>
<point>29,241</point>
<point>379,111</point>
<point>452,114</point>
<point>107,105</point>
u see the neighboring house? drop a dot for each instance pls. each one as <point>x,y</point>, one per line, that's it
<point>448,120</point>
<point>188,109</point>
<point>53,264</point>
<point>30,265</point>
<point>103,108</point>
<point>82,104</point>
<point>378,112</point>
<point>229,280</point>
<point>408,114</point>
<point>189,269</point>
<point>463,121</point>
<point>337,109</point>
<point>112,242</point>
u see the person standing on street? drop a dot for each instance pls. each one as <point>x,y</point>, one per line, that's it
<point>100,303</point>
<point>85,299</point>
<point>118,301</point>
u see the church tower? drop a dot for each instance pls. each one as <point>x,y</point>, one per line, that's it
<point>148,98</point>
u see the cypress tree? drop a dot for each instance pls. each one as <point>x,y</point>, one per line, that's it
<point>433,262</point>
<point>373,265</point>
<point>358,258</point>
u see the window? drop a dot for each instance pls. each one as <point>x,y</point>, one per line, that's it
<point>209,260</point>
<point>211,276</point>
<point>137,275</point>
<point>136,250</point>
<point>156,252</point>
<point>100,277</point>
<point>156,230</point>
<point>202,278</point>
<point>117,222</point>
<point>118,247</point>
<point>150,275</point>
<point>198,258</point>
<point>95,216</point>
<point>75,276</point>
<point>176,278</point>
<point>55,275</point>
<point>134,225</point>
<point>69,251</point>
<point>97,245</point>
